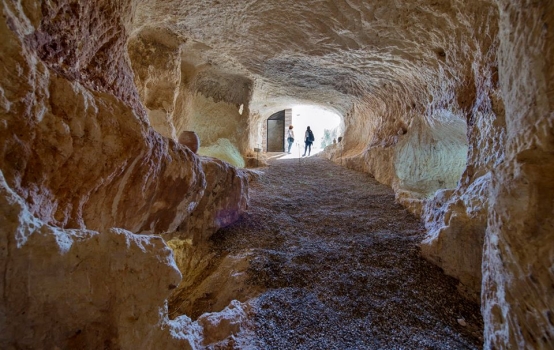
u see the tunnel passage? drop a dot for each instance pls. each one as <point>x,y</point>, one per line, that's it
<point>321,242</point>
<point>80,150</point>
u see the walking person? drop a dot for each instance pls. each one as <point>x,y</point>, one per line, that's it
<point>308,140</point>
<point>290,137</point>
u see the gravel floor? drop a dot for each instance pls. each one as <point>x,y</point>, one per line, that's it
<point>340,265</point>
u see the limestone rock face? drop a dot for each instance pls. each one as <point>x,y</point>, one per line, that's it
<point>83,42</point>
<point>83,289</point>
<point>182,92</point>
<point>155,57</point>
<point>225,200</point>
<point>83,158</point>
<point>82,174</point>
<point>220,326</point>
<point>427,93</point>
<point>518,269</point>
<point>448,102</point>
<point>78,288</point>
<point>416,84</point>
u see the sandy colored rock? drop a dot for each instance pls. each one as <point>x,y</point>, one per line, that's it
<point>82,158</point>
<point>517,262</point>
<point>225,200</point>
<point>82,166</point>
<point>222,325</point>
<point>81,288</point>
<point>449,103</point>
<point>182,93</point>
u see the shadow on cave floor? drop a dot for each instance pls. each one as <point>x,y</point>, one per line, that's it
<point>340,265</point>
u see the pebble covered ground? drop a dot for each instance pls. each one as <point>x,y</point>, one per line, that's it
<point>340,265</point>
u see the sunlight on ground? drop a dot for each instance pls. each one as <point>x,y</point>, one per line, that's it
<point>318,119</point>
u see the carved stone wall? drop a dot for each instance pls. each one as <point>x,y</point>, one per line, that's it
<point>82,176</point>
<point>450,103</point>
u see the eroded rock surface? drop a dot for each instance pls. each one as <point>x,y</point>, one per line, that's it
<point>518,269</point>
<point>225,199</point>
<point>84,173</point>
<point>411,80</point>
<point>94,96</point>
<point>74,288</point>
<point>416,85</point>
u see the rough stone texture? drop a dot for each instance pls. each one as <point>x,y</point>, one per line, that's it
<point>183,92</point>
<point>79,158</point>
<point>155,57</point>
<point>219,326</point>
<point>82,42</point>
<point>408,78</point>
<point>76,288</point>
<point>82,158</point>
<point>518,261</point>
<point>225,150</point>
<point>211,281</point>
<point>225,200</point>
<point>83,289</point>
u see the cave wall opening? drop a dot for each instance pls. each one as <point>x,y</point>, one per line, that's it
<point>183,93</point>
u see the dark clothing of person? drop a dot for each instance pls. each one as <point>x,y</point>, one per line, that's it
<point>308,148</point>
<point>308,140</point>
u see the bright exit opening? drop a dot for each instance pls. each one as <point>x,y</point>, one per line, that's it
<point>325,125</point>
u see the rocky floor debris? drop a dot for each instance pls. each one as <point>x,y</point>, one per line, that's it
<point>340,265</point>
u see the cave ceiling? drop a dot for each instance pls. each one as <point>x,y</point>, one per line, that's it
<point>328,53</point>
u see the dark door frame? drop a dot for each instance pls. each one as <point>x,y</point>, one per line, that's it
<point>277,117</point>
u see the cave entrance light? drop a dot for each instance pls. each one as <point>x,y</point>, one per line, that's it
<point>325,125</point>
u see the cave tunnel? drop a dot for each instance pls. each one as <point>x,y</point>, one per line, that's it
<point>119,232</point>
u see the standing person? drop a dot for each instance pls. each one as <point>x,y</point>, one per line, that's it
<point>290,137</point>
<point>308,140</point>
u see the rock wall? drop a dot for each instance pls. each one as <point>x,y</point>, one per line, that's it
<point>440,100</point>
<point>84,289</point>
<point>450,103</point>
<point>490,226</point>
<point>227,200</point>
<point>81,154</point>
<point>155,56</point>
<point>518,274</point>
<point>182,92</point>
<point>76,289</point>
<point>83,173</point>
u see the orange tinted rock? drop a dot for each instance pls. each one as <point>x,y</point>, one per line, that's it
<point>190,139</point>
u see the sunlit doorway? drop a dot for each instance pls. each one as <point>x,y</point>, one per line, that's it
<point>326,126</point>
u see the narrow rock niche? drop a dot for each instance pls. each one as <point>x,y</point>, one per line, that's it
<point>432,157</point>
<point>211,279</point>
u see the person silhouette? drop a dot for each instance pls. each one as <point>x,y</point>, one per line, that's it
<point>290,137</point>
<point>308,140</point>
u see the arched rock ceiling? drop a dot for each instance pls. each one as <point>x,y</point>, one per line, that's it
<point>327,52</point>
